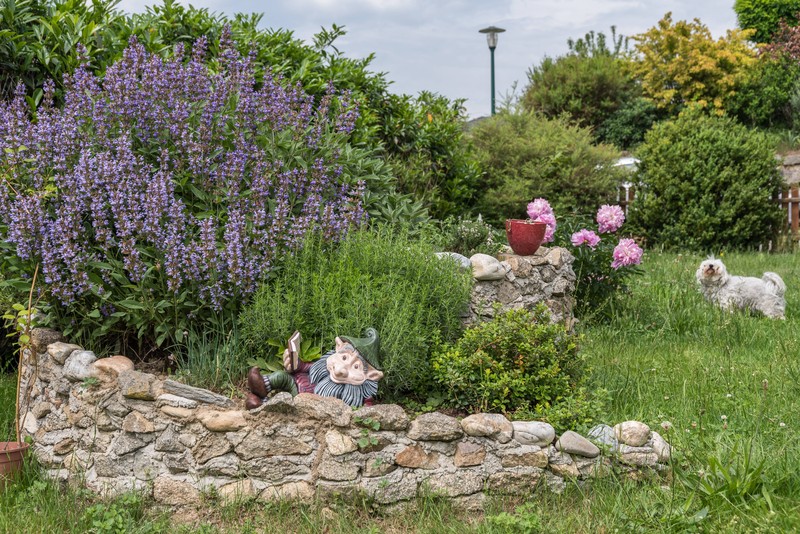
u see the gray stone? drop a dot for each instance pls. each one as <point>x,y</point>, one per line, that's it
<point>78,366</point>
<point>463,482</point>
<point>515,481</point>
<point>60,351</point>
<point>524,456</point>
<point>461,261</point>
<point>329,409</point>
<point>435,426</point>
<point>237,491</point>
<point>127,443</point>
<point>175,492</point>
<point>330,469</point>
<point>338,444</point>
<point>291,491</point>
<point>42,337</point>
<point>136,385</point>
<point>485,267</point>
<point>604,435</point>
<point>632,433</point>
<point>257,444</point>
<point>197,394</point>
<point>534,433</point>
<point>574,443</point>
<point>210,447</point>
<point>227,465</point>
<point>390,488</point>
<point>282,402</point>
<point>490,425</point>
<point>639,456</point>
<point>168,441</point>
<point>661,448</point>
<point>167,399</point>
<point>388,416</point>
<point>137,423</point>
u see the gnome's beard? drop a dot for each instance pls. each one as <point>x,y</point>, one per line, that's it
<point>349,393</point>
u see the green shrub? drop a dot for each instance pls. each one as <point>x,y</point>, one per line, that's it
<point>764,97</point>
<point>526,156</point>
<point>467,236</point>
<point>626,127</point>
<point>707,183</point>
<point>380,279</point>
<point>519,362</point>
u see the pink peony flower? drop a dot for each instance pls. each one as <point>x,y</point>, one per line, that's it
<point>540,210</point>
<point>627,252</point>
<point>609,218</point>
<point>585,237</point>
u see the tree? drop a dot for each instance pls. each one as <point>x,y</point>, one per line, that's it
<point>764,16</point>
<point>680,63</point>
<point>526,155</point>
<point>588,84</point>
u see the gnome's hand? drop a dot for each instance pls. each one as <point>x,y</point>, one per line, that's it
<point>287,361</point>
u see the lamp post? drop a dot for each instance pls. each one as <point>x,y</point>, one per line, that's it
<point>491,38</point>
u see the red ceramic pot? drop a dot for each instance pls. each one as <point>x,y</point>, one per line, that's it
<point>524,235</point>
<point>12,455</point>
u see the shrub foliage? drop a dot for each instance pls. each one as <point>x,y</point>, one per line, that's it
<point>707,184</point>
<point>517,362</point>
<point>377,278</point>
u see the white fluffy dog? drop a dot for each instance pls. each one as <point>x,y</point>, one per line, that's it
<point>763,294</point>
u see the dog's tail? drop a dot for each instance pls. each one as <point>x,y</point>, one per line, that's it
<point>776,282</point>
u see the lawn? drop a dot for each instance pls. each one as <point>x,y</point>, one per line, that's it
<point>728,384</point>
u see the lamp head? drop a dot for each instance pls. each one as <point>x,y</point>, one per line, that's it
<point>491,35</point>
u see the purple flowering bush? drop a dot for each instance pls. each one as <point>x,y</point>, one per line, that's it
<point>162,194</point>
<point>603,261</point>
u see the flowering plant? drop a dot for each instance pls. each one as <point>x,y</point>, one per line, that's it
<point>603,262</point>
<point>166,191</point>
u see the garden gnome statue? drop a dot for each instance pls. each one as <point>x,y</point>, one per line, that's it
<point>349,372</point>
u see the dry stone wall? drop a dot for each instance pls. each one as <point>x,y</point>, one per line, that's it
<point>514,282</point>
<point>113,428</point>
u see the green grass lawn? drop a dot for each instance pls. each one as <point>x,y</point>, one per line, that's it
<point>729,384</point>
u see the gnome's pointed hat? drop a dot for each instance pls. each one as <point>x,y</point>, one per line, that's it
<point>367,346</point>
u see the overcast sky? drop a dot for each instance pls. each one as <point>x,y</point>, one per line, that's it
<point>435,45</point>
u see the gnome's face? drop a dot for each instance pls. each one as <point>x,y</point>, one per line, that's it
<point>346,366</point>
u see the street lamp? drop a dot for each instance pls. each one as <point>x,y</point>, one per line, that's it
<point>491,38</point>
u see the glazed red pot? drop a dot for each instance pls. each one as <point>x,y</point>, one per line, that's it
<point>12,455</point>
<point>524,235</point>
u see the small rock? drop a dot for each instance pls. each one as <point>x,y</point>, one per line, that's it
<point>237,491</point>
<point>661,448</point>
<point>198,394</point>
<point>227,421</point>
<point>338,443</point>
<point>415,457</point>
<point>604,435</point>
<point>435,426</point>
<point>168,399</point>
<point>136,423</point>
<point>468,454</point>
<point>461,261</point>
<point>388,416</point>
<point>110,368</point>
<point>632,433</point>
<point>574,443</point>
<point>323,408</point>
<point>524,456</point>
<point>175,492</point>
<point>78,366</point>
<point>60,351</point>
<point>182,414</point>
<point>281,402</point>
<point>42,337</point>
<point>641,456</point>
<point>489,425</point>
<point>136,385</point>
<point>485,267</point>
<point>534,433</point>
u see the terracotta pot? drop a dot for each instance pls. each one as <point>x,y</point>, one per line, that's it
<point>525,235</point>
<point>12,455</point>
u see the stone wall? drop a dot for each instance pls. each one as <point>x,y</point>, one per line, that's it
<point>102,423</point>
<point>523,282</point>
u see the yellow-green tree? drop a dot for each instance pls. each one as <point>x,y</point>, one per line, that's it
<point>681,63</point>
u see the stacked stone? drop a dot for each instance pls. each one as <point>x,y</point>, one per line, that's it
<point>115,429</point>
<point>522,282</point>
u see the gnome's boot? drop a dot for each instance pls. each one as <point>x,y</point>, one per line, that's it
<point>261,386</point>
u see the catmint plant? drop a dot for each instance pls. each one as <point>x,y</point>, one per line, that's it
<point>165,191</point>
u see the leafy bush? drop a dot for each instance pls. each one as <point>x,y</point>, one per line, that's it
<point>707,183</point>
<point>764,16</point>
<point>516,362</point>
<point>161,195</point>
<point>525,156</point>
<point>378,278</point>
<point>467,236</point>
